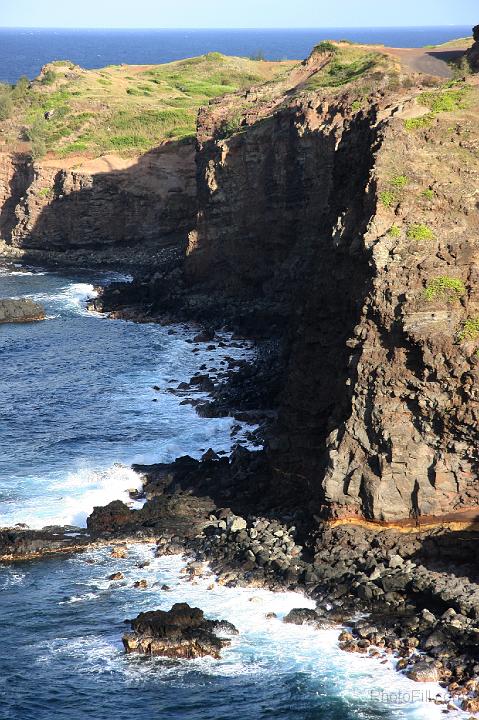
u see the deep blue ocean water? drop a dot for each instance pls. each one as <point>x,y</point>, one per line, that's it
<point>76,407</point>
<point>24,51</point>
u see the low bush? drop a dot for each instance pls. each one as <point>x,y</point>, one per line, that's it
<point>387,198</point>
<point>325,47</point>
<point>470,329</point>
<point>394,231</point>
<point>6,106</point>
<point>445,288</point>
<point>49,77</point>
<point>36,133</point>
<point>420,232</point>
<point>399,181</point>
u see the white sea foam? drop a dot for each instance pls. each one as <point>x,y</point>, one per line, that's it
<point>70,500</point>
<point>71,297</point>
<point>269,650</point>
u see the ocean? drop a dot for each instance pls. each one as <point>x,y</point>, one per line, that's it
<point>24,51</point>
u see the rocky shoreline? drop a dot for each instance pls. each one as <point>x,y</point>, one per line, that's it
<point>416,608</point>
<point>418,588</point>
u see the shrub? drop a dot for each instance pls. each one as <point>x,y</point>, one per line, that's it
<point>49,77</point>
<point>231,125</point>
<point>394,231</point>
<point>6,107</point>
<point>21,88</point>
<point>399,181</point>
<point>325,47</point>
<point>36,133</point>
<point>44,192</point>
<point>387,198</point>
<point>356,106</point>
<point>470,329</point>
<point>429,194</point>
<point>419,123</point>
<point>445,288</point>
<point>420,232</point>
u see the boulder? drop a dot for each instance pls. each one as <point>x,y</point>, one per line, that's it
<point>423,672</point>
<point>301,616</point>
<point>182,632</point>
<point>19,310</point>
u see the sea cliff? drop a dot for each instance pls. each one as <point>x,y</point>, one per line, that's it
<point>333,219</point>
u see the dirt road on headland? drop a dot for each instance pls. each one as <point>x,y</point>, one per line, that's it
<point>430,62</point>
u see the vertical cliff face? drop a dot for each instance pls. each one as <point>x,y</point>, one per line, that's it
<point>357,226</point>
<point>55,209</point>
<point>16,174</point>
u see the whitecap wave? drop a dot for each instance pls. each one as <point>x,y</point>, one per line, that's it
<point>71,297</point>
<point>70,500</point>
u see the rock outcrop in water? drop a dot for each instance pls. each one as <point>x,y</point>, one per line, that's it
<point>182,632</point>
<point>20,310</point>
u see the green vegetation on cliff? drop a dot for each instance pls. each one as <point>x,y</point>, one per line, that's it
<point>445,288</point>
<point>444,100</point>
<point>122,109</point>
<point>347,64</point>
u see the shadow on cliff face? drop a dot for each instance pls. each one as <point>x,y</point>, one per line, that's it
<point>444,550</point>
<point>149,202</point>
<point>16,185</point>
<point>321,370</point>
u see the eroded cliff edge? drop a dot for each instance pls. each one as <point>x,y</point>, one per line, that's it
<point>338,214</point>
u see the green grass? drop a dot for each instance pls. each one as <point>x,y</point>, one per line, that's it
<point>419,123</point>
<point>419,232</point>
<point>44,192</point>
<point>428,194</point>
<point>123,109</point>
<point>446,100</point>
<point>445,288</point>
<point>470,329</point>
<point>342,70</point>
<point>325,47</point>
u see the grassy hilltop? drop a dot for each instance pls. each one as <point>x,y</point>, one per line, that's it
<point>122,109</point>
<point>126,110</point>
